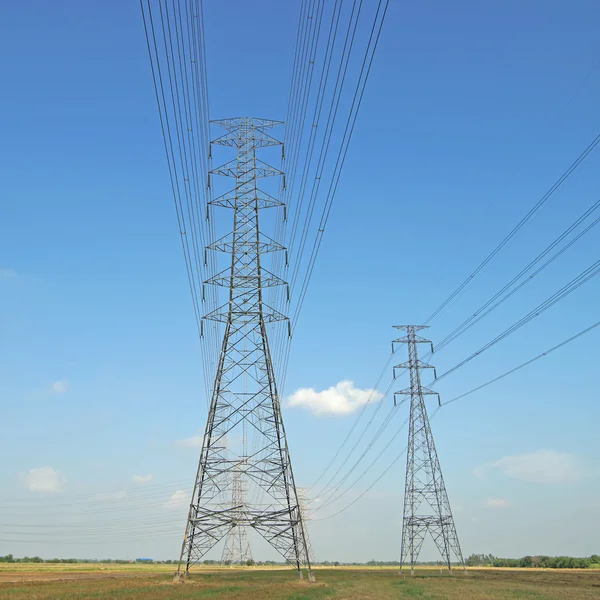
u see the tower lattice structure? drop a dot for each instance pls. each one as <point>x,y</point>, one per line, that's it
<point>426,504</point>
<point>244,397</point>
<point>305,516</point>
<point>237,548</point>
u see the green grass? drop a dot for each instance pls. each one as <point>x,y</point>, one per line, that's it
<point>219,592</point>
<point>35,583</point>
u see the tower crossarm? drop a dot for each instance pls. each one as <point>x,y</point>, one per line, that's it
<point>419,364</point>
<point>234,197</point>
<point>236,123</point>
<point>259,138</point>
<point>257,168</point>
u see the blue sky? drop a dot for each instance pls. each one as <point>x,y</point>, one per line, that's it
<point>471,113</point>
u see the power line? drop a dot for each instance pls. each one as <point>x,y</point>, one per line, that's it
<point>510,372</point>
<point>477,316</point>
<point>179,66</point>
<point>328,491</point>
<point>563,292</point>
<point>382,427</point>
<point>451,338</point>
<point>525,364</point>
<point>289,193</point>
<point>365,70</point>
<point>101,496</point>
<point>348,131</point>
<point>356,421</point>
<point>517,228</point>
<point>381,476</point>
<point>368,469</point>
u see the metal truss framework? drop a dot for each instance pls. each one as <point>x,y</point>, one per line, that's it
<point>304,513</point>
<point>245,397</point>
<point>426,504</point>
<point>237,548</point>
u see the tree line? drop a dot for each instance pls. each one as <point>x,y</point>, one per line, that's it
<point>539,562</point>
<point>9,558</point>
<point>475,560</point>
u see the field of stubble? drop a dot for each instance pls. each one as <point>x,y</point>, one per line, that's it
<point>150,582</point>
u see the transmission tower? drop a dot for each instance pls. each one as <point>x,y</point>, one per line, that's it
<point>245,394</point>
<point>426,504</point>
<point>237,549</point>
<point>304,514</point>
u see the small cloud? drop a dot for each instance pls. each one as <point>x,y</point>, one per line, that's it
<point>497,503</point>
<point>542,466</point>
<point>192,442</point>
<point>111,496</point>
<point>179,499</point>
<point>341,399</point>
<point>61,387</point>
<point>44,479</point>
<point>7,274</point>
<point>143,478</point>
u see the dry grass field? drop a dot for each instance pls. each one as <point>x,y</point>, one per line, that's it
<point>153,582</point>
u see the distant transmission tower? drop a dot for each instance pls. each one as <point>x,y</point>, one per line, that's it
<point>426,504</point>
<point>245,395</point>
<point>304,513</point>
<point>237,549</point>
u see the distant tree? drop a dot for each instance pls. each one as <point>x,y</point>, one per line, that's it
<point>249,562</point>
<point>544,562</point>
<point>475,560</point>
<point>31,559</point>
<point>526,561</point>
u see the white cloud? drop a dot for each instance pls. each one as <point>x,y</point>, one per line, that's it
<point>44,479</point>
<point>61,387</point>
<point>341,399</point>
<point>542,466</point>
<point>143,478</point>
<point>192,442</point>
<point>497,503</point>
<point>179,499</point>
<point>7,273</point>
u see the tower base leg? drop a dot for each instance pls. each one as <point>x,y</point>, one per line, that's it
<point>179,577</point>
<point>311,577</point>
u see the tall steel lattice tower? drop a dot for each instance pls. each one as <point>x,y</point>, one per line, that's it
<point>426,504</point>
<point>245,402</point>
<point>237,548</point>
